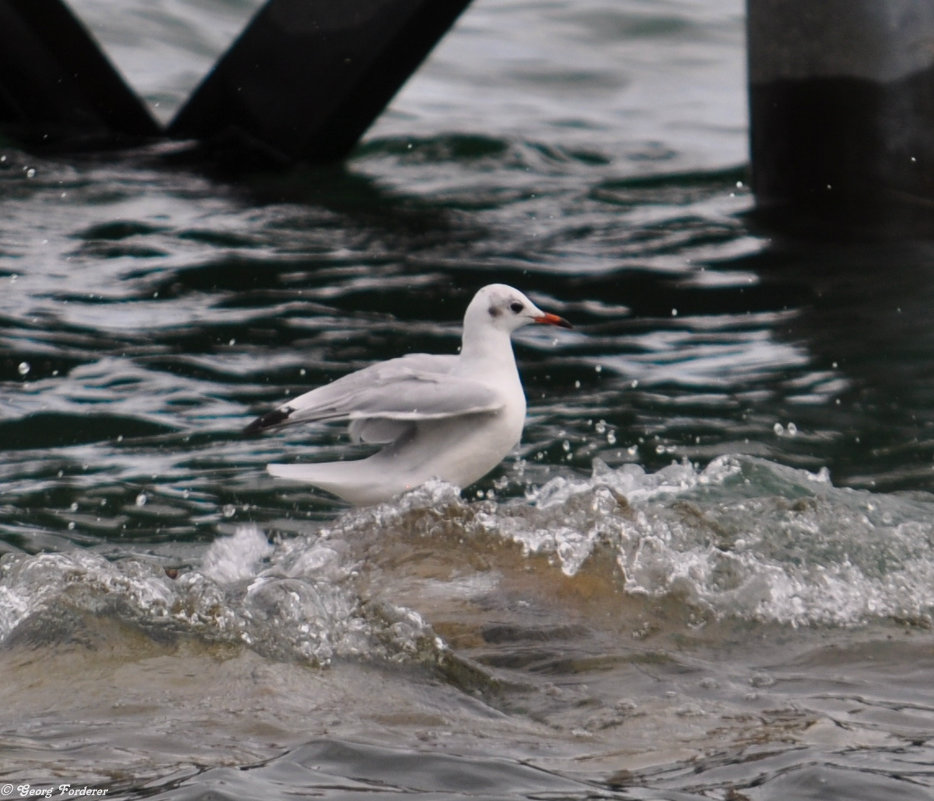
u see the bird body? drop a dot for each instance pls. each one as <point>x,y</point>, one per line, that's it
<point>448,417</point>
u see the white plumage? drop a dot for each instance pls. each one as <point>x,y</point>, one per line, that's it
<point>450,417</point>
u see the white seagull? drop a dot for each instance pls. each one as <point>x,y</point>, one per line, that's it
<point>448,417</point>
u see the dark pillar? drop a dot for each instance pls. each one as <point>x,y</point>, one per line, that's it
<point>842,106</point>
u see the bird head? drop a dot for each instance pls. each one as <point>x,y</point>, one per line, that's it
<point>505,309</point>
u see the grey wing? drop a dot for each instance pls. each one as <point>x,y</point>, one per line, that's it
<point>383,399</point>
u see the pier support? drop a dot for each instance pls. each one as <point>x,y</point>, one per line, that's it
<point>56,87</point>
<point>841,96</point>
<point>301,83</point>
<point>841,92</point>
<point>308,77</point>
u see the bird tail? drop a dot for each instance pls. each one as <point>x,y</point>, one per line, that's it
<point>358,482</point>
<point>308,473</point>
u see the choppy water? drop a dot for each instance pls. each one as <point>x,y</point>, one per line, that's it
<point>708,571</point>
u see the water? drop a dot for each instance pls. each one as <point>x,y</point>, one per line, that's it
<point>706,573</point>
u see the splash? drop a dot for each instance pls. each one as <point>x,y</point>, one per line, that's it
<point>741,538</point>
<point>296,600</point>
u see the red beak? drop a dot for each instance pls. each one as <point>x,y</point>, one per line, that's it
<point>552,319</point>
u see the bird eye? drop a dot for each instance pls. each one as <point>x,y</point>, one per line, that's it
<point>516,307</point>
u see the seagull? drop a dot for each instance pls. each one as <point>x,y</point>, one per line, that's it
<point>448,417</point>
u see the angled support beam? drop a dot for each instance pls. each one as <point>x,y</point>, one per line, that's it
<point>308,77</point>
<point>301,83</point>
<point>56,87</point>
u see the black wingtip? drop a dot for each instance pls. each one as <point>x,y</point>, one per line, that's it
<point>274,418</point>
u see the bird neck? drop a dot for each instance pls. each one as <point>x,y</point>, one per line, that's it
<point>490,346</point>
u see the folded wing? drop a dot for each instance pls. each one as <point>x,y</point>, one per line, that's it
<point>382,400</point>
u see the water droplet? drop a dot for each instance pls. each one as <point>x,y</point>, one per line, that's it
<point>674,312</point>
<point>23,368</point>
<point>611,438</point>
<point>600,428</point>
<point>141,499</point>
<point>779,430</point>
<point>74,506</point>
<point>566,445</point>
<point>229,510</point>
<point>761,680</point>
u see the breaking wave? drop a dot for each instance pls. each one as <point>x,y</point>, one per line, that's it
<point>742,538</point>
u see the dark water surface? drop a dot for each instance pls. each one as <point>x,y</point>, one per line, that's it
<point>707,572</point>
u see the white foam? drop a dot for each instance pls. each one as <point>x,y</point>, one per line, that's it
<point>742,537</point>
<point>235,558</point>
<point>296,600</point>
